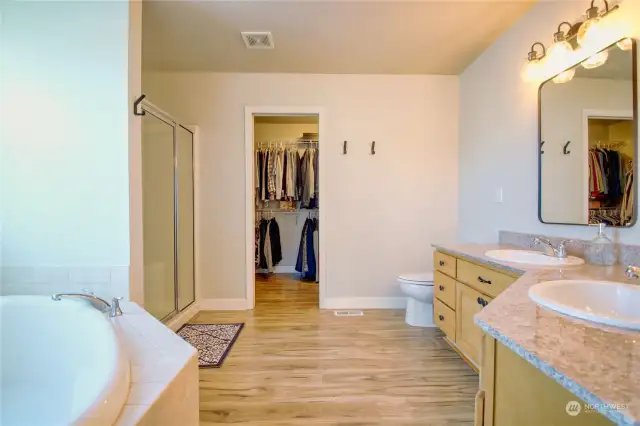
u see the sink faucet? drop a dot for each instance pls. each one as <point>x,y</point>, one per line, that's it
<point>633,272</point>
<point>113,308</point>
<point>560,251</point>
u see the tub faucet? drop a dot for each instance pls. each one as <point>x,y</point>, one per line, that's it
<point>559,251</point>
<point>633,272</point>
<point>113,308</point>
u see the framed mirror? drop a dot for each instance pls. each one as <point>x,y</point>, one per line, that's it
<point>588,142</point>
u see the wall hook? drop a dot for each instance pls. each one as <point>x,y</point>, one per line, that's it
<point>565,151</point>
<point>373,148</point>
<point>541,151</point>
<point>344,148</point>
<point>135,106</point>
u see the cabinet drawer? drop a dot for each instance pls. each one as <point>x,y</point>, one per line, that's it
<point>482,279</point>
<point>445,263</point>
<point>445,318</point>
<point>445,289</point>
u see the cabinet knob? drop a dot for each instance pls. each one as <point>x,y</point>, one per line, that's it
<point>483,281</point>
<point>441,263</point>
<point>441,287</point>
<point>441,317</point>
<point>479,300</point>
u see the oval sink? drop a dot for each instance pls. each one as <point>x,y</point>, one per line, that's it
<point>531,257</point>
<point>604,302</point>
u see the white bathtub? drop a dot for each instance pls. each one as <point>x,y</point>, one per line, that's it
<point>60,363</point>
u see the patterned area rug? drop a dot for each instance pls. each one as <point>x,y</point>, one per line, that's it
<point>213,341</point>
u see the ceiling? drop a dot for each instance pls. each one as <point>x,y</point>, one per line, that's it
<point>337,37</point>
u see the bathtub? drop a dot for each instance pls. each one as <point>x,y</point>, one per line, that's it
<point>60,363</point>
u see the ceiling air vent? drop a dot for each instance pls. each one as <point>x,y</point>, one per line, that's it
<point>257,40</point>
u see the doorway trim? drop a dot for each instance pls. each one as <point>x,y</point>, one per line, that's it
<point>249,113</point>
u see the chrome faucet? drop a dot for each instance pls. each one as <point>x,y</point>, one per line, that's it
<point>559,251</point>
<point>633,272</point>
<point>113,308</point>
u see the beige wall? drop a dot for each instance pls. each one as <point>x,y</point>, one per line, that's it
<point>382,211</point>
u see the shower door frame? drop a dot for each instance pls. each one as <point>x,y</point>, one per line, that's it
<point>255,111</point>
<point>167,118</point>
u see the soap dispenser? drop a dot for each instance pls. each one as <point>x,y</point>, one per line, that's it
<point>600,250</point>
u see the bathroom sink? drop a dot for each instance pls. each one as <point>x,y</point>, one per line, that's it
<point>605,302</point>
<point>531,257</point>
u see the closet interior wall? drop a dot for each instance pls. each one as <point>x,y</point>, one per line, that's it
<point>293,134</point>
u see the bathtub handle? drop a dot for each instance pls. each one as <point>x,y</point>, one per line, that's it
<point>115,307</point>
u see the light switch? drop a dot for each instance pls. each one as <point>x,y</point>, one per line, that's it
<point>497,196</point>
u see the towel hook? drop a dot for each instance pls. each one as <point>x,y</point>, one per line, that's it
<point>373,148</point>
<point>565,151</point>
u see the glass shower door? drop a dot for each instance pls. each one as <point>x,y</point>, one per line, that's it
<point>185,261</point>
<point>158,203</point>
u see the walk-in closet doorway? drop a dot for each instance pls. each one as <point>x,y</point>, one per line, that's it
<point>296,212</point>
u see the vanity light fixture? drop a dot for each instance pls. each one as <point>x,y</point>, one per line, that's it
<point>625,44</point>
<point>594,61</point>
<point>591,28</point>
<point>561,50</point>
<point>533,68</point>
<point>565,76</point>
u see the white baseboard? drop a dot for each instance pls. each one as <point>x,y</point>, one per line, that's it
<point>280,270</point>
<point>223,304</point>
<point>183,317</point>
<point>365,303</point>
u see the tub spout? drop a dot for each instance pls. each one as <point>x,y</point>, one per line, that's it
<point>113,308</point>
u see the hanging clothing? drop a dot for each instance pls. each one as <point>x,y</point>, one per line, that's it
<point>306,263</point>
<point>287,174</point>
<point>268,246</point>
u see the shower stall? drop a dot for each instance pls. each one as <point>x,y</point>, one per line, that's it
<point>168,218</point>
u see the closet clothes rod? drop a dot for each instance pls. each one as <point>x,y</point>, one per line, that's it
<point>275,142</point>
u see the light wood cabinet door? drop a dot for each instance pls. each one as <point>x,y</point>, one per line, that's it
<point>468,335</point>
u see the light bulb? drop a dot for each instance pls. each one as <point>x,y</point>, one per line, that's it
<point>589,30</point>
<point>596,60</point>
<point>559,53</point>
<point>531,71</point>
<point>625,44</point>
<point>564,77</point>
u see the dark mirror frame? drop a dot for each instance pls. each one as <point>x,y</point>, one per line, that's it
<point>634,71</point>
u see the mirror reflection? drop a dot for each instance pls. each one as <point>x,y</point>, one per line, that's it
<point>588,153</point>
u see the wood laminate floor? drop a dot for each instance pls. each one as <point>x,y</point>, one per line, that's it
<point>294,365</point>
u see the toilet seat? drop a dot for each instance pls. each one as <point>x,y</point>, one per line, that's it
<point>424,278</point>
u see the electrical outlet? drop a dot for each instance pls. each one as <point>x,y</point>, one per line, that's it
<point>497,196</point>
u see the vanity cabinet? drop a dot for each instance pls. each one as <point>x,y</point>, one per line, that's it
<point>514,392</point>
<point>461,289</point>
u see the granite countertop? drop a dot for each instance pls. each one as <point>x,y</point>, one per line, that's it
<point>599,364</point>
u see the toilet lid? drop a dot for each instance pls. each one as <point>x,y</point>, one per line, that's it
<point>424,278</point>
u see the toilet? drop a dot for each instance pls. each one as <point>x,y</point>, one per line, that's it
<point>419,291</point>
